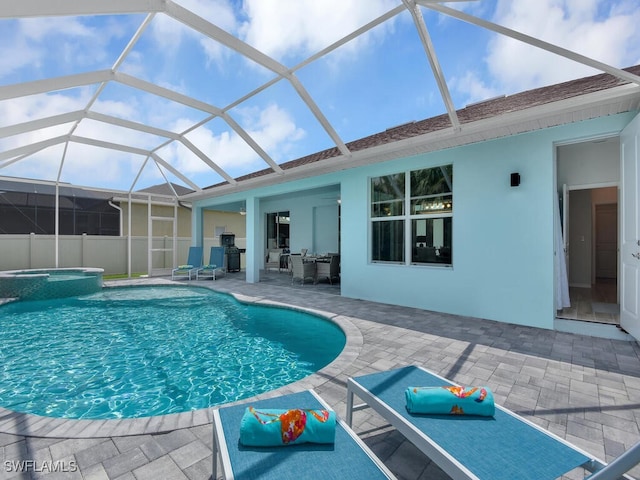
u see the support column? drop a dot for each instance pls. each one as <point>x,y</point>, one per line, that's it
<point>197,229</point>
<point>254,245</point>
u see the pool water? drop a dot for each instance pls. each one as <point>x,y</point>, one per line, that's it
<point>141,351</point>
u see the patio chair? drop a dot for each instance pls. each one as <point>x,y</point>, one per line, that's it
<point>329,270</point>
<point>272,259</point>
<point>348,457</point>
<point>194,262</point>
<point>502,447</point>
<point>216,264</point>
<point>301,269</point>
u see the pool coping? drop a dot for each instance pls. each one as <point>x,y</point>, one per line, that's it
<point>31,425</point>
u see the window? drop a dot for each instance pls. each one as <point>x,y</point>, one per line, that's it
<point>387,205</point>
<point>411,216</point>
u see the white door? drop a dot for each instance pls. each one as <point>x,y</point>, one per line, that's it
<point>630,228</point>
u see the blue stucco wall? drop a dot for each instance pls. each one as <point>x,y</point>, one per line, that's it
<point>503,236</point>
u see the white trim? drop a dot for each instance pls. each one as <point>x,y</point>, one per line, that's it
<point>591,186</point>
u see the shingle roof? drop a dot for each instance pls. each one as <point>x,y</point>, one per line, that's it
<point>471,113</point>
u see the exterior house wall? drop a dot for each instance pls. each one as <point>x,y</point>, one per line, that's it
<point>588,163</point>
<point>304,231</point>
<point>231,220</point>
<point>503,236</point>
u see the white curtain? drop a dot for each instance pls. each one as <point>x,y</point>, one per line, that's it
<point>562,281</point>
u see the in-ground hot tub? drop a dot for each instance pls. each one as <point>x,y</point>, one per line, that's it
<point>45,283</point>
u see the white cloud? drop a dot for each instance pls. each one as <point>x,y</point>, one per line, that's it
<point>272,128</point>
<point>23,109</point>
<point>473,86</point>
<point>84,165</point>
<point>63,44</point>
<point>604,30</point>
<point>291,28</point>
<point>17,55</point>
<point>169,33</point>
<point>38,29</point>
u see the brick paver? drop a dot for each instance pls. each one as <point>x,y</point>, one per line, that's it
<point>584,389</point>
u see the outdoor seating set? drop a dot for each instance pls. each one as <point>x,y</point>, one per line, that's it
<point>315,268</point>
<point>303,267</point>
<point>460,429</point>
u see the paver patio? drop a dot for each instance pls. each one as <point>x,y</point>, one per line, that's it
<point>584,389</point>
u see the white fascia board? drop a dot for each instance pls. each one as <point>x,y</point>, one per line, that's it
<point>53,183</point>
<point>473,132</point>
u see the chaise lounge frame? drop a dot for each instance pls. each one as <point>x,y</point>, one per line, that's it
<point>348,458</point>
<point>505,446</point>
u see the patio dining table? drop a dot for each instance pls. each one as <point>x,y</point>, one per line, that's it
<point>316,258</point>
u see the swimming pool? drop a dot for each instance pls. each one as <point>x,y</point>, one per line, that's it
<point>142,351</point>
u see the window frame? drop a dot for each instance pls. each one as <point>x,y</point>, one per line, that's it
<point>408,218</point>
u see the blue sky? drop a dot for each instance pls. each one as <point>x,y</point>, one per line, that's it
<point>378,80</point>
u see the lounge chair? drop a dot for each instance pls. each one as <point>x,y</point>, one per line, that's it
<point>505,446</point>
<point>216,264</point>
<point>347,458</point>
<point>194,262</point>
<point>617,468</point>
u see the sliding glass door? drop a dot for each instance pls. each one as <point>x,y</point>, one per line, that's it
<point>278,230</point>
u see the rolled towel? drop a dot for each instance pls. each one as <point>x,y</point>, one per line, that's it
<point>184,267</point>
<point>210,266</point>
<point>278,427</point>
<point>450,400</point>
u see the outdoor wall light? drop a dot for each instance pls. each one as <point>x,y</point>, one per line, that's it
<point>515,179</point>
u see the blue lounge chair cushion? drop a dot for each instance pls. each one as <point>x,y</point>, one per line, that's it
<point>502,447</point>
<point>281,427</point>
<point>450,400</point>
<point>344,459</point>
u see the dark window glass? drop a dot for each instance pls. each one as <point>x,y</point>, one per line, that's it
<point>431,239</point>
<point>388,241</point>
<point>428,205</point>
<point>387,195</point>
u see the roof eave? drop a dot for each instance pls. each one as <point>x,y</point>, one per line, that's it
<point>611,101</point>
